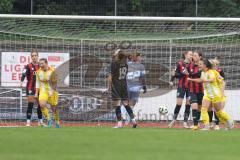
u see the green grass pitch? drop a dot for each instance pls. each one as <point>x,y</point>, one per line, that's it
<point>105,143</point>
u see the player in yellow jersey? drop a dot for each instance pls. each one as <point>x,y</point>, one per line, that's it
<point>211,111</point>
<point>213,94</point>
<point>46,86</point>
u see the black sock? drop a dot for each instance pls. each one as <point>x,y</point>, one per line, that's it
<point>187,113</point>
<point>29,110</point>
<point>210,114</point>
<point>129,111</point>
<point>195,117</point>
<point>118,113</point>
<point>198,115</point>
<point>216,119</point>
<point>176,111</point>
<point>39,112</point>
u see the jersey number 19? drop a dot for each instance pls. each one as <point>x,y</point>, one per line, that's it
<point>122,73</point>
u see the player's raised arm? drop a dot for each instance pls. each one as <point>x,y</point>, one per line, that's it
<point>25,73</point>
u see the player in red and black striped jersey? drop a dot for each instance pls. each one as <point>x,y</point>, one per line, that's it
<point>182,74</point>
<point>29,72</point>
<point>196,89</point>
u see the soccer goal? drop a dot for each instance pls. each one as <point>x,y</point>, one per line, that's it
<point>81,47</point>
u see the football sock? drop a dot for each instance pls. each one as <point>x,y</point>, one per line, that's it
<point>39,112</point>
<point>216,118</point>
<point>129,111</point>
<point>118,113</point>
<point>56,116</point>
<point>176,111</point>
<point>205,116</point>
<point>223,116</point>
<point>210,114</point>
<point>45,113</point>
<point>186,113</point>
<point>195,117</point>
<point>29,110</point>
<point>198,115</point>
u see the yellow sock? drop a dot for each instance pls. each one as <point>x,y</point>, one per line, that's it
<point>223,116</point>
<point>56,116</point>
<point>205,117</point>
<point>46,113</point>
<point>220,118</point>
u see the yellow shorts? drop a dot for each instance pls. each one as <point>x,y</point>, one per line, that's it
<point>215,99</point>
<point>44,96</point>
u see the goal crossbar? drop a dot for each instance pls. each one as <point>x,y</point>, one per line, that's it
<point>119,18</point>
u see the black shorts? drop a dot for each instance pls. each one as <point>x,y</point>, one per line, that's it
<point>181,92</point>
<point>196,98</point>
<point>119,92</point>
<point>30,92</point>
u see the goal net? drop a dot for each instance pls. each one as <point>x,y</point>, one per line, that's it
<point>81,47</point>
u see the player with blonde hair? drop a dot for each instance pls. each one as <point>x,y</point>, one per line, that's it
<point>215,66</point>
<point>46,86</point>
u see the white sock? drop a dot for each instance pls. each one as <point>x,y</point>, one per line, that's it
<point>119,123</point>
<point>28,121</point>
<point>40,121</point>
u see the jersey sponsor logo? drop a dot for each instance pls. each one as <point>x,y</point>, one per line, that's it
<point>132,75</point>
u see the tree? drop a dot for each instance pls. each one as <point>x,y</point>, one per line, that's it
<point>219,8</point>
<point>6,6</point>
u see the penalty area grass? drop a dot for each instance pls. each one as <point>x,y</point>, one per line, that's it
<point>105,143</point>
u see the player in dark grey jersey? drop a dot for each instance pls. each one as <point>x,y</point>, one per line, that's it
<point>135,78</point>
<point>117,83</point>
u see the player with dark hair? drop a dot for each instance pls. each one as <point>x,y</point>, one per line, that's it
<point>196,89</point>
<point>213,94</point>
<point>46,84</point>
<point>182,74</point>
<point>29,72</point>
<point>117,83</point>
